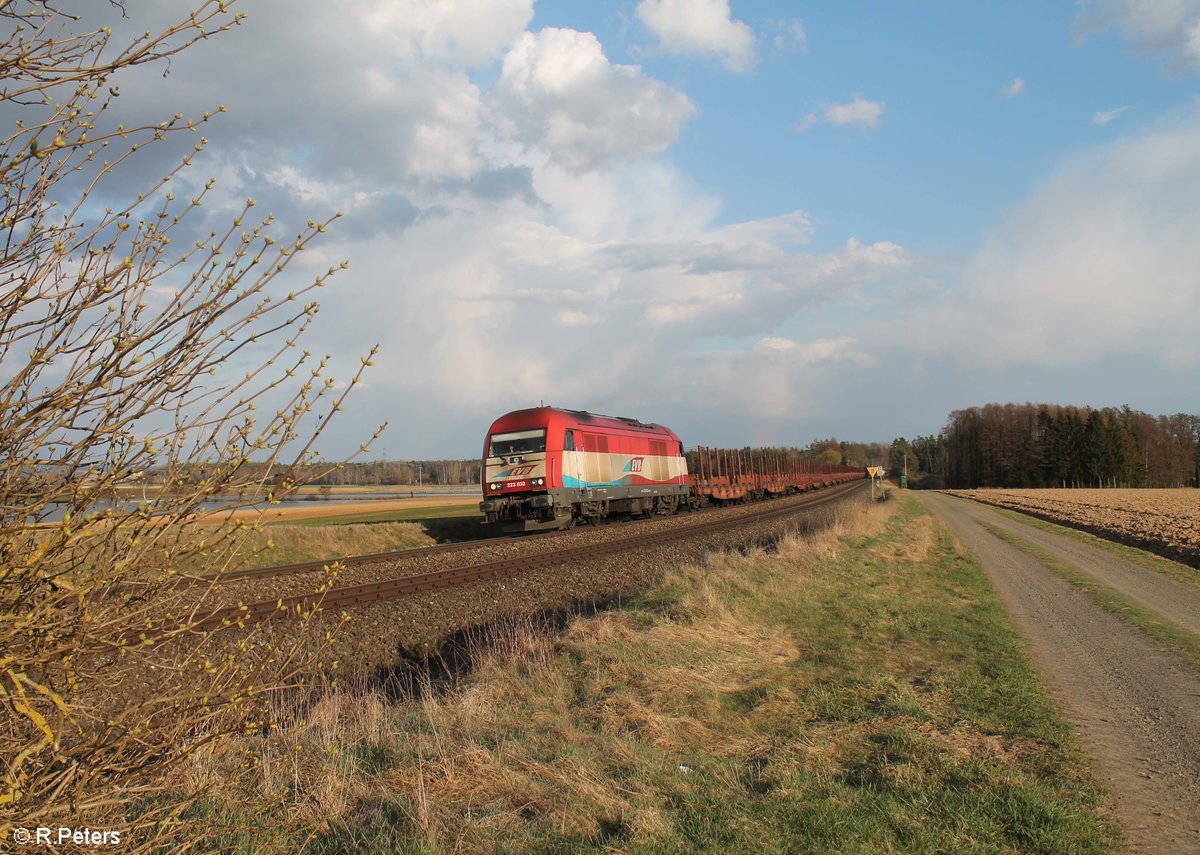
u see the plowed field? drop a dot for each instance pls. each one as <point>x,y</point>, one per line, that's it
<point>1163,521</point>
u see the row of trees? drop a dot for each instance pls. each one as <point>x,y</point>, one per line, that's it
<point>831,450</point>
<point>406,472</point>
<point>368,473</point>
<point>411,472</point>
<point>841,453</point>
<point>826,451</point>
<point>923,458</point>
<point>1047,445</point>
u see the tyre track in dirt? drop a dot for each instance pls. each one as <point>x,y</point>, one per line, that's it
<point>1135,705</point>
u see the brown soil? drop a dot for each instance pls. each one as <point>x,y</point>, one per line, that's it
<point>1133,703</point>
<point>1162,521</point>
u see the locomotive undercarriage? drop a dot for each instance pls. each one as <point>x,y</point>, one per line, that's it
<point>559,509</point>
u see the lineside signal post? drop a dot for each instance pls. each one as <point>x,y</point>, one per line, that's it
<point>876,473</point>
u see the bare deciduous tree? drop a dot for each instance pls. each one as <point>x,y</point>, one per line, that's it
<point>116,347</point>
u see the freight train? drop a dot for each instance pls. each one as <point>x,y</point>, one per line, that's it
<point>548,468</point>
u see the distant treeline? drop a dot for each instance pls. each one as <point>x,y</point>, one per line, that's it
<point>368,473</point>
<point>1047,445</point>
<point>405,472</point>
<point>830,451</point>
<point>412,472</point>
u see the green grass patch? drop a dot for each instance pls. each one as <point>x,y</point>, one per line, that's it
<point>1185,644</point>
<point>859,692</point>
<point>338,537</point>
<point>1140,557</point>
<point>441,525</point>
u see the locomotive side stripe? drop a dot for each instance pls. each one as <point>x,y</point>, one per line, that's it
<point>600,469</point>
<point>627,481</point>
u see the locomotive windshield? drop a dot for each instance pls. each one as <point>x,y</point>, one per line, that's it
<point>518,442</point>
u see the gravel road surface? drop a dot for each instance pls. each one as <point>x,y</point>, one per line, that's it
<point>1135,705</point>
<point>1177,601</point>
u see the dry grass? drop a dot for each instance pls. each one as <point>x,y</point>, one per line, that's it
<point>732,707</point>
<point>555,726</point>
<point>295,544</point>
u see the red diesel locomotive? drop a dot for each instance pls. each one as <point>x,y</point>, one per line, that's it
<point>547,468</point>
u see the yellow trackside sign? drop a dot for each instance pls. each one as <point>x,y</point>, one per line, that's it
<point>872,470</point>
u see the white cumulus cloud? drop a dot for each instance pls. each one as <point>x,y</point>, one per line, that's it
<point>462,32</point>
<point>509,242</point>
<point>1166,28</point>
<point>857,111</point>
<point>702,28</point>
<point>364,88</point>
<point>1102,260</point>
<point>558,92</point>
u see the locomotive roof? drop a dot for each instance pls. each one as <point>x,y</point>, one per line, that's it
<point>583,418</point>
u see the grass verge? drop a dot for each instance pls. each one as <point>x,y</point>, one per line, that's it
<point>858,691</point>
<point>1185,644</point>
<point>275,544</point>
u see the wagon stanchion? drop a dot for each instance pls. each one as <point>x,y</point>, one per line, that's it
<point>733,475</point>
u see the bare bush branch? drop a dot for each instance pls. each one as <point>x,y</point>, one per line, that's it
<point>116,345</point>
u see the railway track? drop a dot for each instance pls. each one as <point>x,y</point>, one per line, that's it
<point>352,561</point>
<point>351,596</point>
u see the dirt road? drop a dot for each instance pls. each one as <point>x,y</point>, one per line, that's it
<point>1135,705</point>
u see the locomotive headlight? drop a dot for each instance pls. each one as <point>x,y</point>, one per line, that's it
<point>538,482</point>
<point>493,486</point>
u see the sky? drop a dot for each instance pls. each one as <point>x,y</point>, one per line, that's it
<point>755,223</point>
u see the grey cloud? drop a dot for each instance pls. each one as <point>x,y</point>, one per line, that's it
<point>379,213</point>
<point>1166,28</point>
<point>509,182</point>
<point>357,89</point>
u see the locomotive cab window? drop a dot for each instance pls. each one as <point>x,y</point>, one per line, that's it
<point>569,441</point>
<point>517,442</point>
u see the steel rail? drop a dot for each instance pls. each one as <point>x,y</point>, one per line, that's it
<point>356,595</point>
<point>369,558</point>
